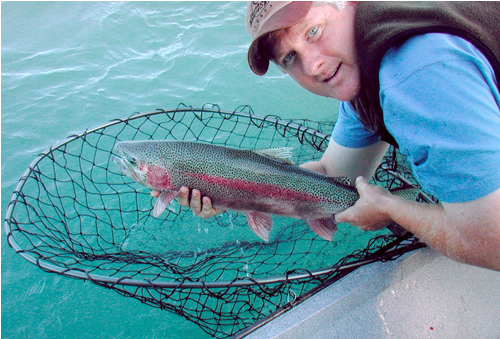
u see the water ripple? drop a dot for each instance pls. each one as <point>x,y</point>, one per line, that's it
<point>68,66</point>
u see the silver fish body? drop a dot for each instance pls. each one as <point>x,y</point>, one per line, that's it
<point>258,183</point>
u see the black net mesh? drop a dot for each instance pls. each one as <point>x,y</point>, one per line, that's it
<point>75,214</point>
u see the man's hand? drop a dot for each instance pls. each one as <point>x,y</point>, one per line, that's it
<point>369,213</point>
<point>468,232</point>
<point>201,206</point>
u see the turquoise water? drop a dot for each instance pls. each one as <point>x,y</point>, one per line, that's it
<point>69,66</point>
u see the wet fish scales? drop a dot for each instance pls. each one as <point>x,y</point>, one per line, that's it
<point>257,182</point>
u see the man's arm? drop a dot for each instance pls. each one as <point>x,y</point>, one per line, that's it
<point>340,161</point>
<point>468,232</point>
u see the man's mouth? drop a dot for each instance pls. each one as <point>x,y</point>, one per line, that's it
<point>333,74</point>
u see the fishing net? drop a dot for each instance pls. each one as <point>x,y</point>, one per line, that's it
<point>73,213</point>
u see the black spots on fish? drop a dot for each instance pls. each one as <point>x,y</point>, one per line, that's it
<point>217,170</point>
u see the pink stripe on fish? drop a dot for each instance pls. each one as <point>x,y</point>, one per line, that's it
<point>259,189</point>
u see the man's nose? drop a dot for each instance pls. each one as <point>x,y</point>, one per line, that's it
<point>312,64</point>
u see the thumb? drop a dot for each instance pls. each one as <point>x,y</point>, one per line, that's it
<point>345,216</point>
<point>360,182</point>
<point>342,216</point>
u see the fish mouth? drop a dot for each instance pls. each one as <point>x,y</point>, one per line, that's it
<point>128,163</point>
<point>122,164</point>
<point>126,168</point>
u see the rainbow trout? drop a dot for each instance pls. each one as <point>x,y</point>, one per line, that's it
<point>256,182</point>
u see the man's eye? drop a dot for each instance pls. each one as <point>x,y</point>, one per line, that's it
<point>288,57</point>
<point>312,32</point>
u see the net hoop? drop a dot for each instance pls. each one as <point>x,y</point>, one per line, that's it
<point>72,273</point>
<point>221,304</point>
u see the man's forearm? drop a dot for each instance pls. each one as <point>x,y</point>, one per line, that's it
<point>466,232</point>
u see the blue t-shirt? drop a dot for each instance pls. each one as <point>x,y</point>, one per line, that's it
<point>441,103</point>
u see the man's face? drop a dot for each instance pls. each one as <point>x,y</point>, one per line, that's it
<point>318,52</point>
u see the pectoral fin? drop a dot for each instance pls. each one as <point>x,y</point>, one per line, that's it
<point>260,223</point>
<point>162,202</point>
<point>324,227</point>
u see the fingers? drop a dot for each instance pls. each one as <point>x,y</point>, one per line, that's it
<point>195,204</point>
<point>207,210</point>
<point>360,183</point>
<point>201,206</point>
<point>183,196</point>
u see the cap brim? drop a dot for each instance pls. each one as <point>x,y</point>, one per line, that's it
<point>286,17</point>
<point>257,59</point>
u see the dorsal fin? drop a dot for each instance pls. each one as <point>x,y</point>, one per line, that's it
<point>282,154</point>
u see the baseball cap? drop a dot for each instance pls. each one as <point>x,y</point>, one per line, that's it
<point>264,17</point>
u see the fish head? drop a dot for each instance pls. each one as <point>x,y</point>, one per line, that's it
<point>138,161</point>
<point>130,163</point>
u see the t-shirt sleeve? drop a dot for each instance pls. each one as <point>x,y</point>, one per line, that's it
<point>441,103</point>
<point>349,131</point>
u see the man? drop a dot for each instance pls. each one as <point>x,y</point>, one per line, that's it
<point>421,76</point>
